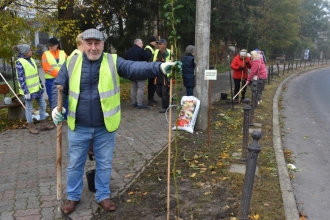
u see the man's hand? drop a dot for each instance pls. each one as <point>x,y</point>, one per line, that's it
<point>58,116</point>
<point>247,82</point>
<point>27,96</point>
<point>166,67</point>
<point>241,68</point>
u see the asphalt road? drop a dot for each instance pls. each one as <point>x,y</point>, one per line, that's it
<point>306,129</point>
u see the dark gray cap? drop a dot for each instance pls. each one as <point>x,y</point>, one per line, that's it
<point>92,34</point>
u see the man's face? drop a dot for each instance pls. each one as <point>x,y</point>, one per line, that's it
<point>53,47</point>
<point>162,47</point>
<point>93,48</point>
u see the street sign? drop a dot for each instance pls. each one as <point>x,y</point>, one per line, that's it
<point>210,75</point>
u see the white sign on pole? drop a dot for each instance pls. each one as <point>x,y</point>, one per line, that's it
<point>210,75</point>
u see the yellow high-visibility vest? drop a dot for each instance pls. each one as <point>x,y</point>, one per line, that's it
<point>150,48</point>
<point>108,88</point>
<point>31,76</point>
<point>52,62</point>
<point>166,58</point>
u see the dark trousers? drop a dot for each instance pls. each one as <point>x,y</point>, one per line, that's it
<point>151,89</point>
<point>190,91</point>
<point>237,88</point>
<point>163,92</point>
<point>49,85</point>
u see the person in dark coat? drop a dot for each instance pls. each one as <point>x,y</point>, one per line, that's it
<point>136,53</point>
<point>188,67</point>
<point>150,49</point>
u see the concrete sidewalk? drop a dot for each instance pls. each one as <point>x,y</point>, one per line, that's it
<point>28,170</point>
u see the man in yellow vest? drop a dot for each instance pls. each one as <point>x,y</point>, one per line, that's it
<point>150,49</point>
<point>162,54</point>
<point>31,87</point>
<point>91,82</point>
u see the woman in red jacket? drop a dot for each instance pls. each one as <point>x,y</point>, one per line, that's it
<point>240,65</point>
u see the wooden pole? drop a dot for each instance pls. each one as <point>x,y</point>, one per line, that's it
<point>209,113</point>
<point>12,90</point>
<point>169,148</point>
<point>59,148</point>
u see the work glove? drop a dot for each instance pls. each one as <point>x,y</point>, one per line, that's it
<point>27,96</point>
<point>247,63</point>
<point>58,116</point>
<point>166,67</point>
<point>240,68</point>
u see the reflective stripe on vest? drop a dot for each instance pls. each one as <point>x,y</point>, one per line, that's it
<point>150,48</point>
<point>166,58</point>
<point>52,62</point>
<point>31,76</point>
<point>109,92</point>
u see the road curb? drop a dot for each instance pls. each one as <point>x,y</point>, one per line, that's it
<point>289,201</point>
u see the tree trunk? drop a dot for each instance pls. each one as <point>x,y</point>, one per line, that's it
<point>202,51</point>
<point>65,13</point>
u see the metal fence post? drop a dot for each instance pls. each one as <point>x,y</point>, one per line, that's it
<point>254,101</point>
<point>296,65</point>
<point>272,71</point>
<point>289,66</point>
<point>246,122</point>
<point>268,78</point>
<point>251,166</point>
<point>278,69</point>
<point>284,67</point>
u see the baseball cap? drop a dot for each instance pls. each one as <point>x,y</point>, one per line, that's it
<point>162,41</point>
<point>92,34</point>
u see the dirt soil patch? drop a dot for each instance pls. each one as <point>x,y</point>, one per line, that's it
<point>201,186</point>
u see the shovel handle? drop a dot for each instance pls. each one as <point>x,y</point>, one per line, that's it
<point>59,146</point>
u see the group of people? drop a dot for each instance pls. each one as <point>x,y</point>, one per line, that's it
<point>254,61</point>
<point>157,51</point>
<point>30,84</point>
<point>91,84</point>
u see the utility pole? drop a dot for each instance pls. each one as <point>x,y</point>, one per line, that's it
<point>202,51</point>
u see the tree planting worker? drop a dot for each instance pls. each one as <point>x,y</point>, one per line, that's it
<point>258,71</point>
<point>31,87</point>
<point>188,70</point>
<point>240,65</point>
<point>150,49</point>
<point>162,54</point>
<point>136,53</point>
<point>91,82</point>
<point>52,60</point>
<point>79,45</point>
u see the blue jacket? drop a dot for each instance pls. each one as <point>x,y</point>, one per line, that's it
<point>188,67</point>
<point>89,111</point>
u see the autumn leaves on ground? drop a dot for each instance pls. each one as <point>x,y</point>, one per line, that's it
<point>204,189</point>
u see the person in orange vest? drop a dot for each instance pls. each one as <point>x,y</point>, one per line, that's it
<point>52,60</point>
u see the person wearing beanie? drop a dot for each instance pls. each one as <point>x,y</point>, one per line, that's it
<point>52,60</point>
<point>91,82</point>
<point>150,49</point>
<point>188,70</point>
<point>31,87</point>
<point>240,65</point>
